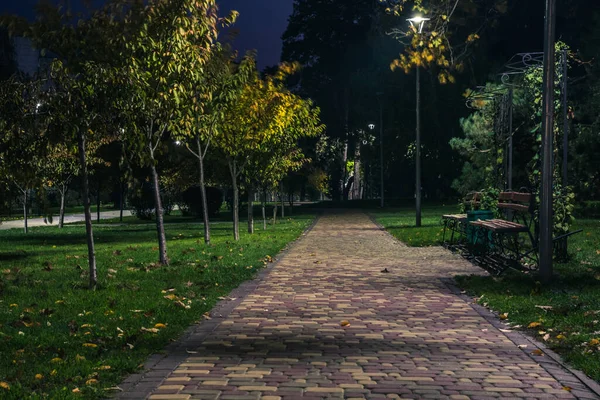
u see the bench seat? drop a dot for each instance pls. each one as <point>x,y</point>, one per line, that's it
<point>501,226</point>
<point>458,217</point>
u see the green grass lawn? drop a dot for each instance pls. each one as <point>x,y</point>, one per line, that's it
<point>400,222</point>
<point>565,314</point>
<point>60,340</point>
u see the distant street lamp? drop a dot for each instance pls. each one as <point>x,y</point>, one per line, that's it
<point>418,24</point>
<point>380,99</point>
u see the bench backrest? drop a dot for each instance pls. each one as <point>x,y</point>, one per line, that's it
<point>515,201</point>
<point>472,200</point>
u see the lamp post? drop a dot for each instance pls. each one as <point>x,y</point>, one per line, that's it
<point>380,98</point>
<point>547,131</point>
<point>417,23</point>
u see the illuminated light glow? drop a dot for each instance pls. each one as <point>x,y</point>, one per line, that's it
<point>418,22</point>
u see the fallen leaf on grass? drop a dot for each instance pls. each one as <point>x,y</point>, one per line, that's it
<point>545,308</point>
<point>92,345</point>
<point>503,316</point>
<point>91,381</point>
<point>160,326</point>
<point>151,330</point>
<point>39,376</point>
<point>534,325</point>
<point>546,337</point>
<point>56,360</point>
<point>4,385</point>
<point>561,337</point>
<point>103,368</point>
<point>76,390</point>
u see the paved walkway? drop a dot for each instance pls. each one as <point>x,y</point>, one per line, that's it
<point>31,222</point>
<point>407,335</point>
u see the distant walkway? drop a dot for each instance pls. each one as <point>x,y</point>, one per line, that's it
<point>68,219</point>
<point>349,312</point>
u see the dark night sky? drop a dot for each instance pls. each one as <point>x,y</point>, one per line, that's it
<point>260,25</point>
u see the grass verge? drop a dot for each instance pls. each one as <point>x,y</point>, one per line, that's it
<point>400,222</point>
<point>60,340</point>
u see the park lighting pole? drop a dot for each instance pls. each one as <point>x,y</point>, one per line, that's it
<point>546,226</point>
<point>380,97</point>
<point>417,23</point>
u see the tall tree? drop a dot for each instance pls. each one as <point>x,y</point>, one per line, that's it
<point>24,139</point>
<point>84,50</point>
<point>215,89</point>
<point>168,44</point>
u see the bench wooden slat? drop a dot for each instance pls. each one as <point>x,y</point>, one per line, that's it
<point>515,207</point>
<point>455,216</point>
<point>515,196</point>
<point>500,226</point>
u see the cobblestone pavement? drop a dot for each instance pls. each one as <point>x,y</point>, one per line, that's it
<point>326,322</point>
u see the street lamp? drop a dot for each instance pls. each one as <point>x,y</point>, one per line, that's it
<point>545,244</point>
<point>418,23</point>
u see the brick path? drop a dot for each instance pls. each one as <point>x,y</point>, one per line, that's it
<point>409,335</point>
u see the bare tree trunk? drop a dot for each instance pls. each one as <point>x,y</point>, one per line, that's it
<point>122,202</point>
<point>282,201</point>
<point>345,155</point>
<point>203,193</point>
<point>87,211</point>
<point>61,217</point>
<point>25,228</point>
<point>264,213</point>
<point>160,225</point>
<point>357,180</point>
<point>250,210</point>
<point>236,201</point>
<point>275,213</point>
<point>98,203</point>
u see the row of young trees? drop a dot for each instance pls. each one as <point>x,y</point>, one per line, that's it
<point>145,74</point>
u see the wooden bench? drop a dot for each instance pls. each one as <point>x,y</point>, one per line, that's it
<point>456,223</point>
<point>501,236</point>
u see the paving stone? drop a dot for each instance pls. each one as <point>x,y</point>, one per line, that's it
<point>326,322</point>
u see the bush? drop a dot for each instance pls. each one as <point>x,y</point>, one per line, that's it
<point>191,201</point>
<point>588,209</point>
<point>141,201</point>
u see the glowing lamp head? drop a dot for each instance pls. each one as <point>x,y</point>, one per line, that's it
<point>418,22</point>
<point>371,126</point>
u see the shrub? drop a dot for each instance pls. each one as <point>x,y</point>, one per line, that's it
<point>141,201</point>
<point>191,201</point>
